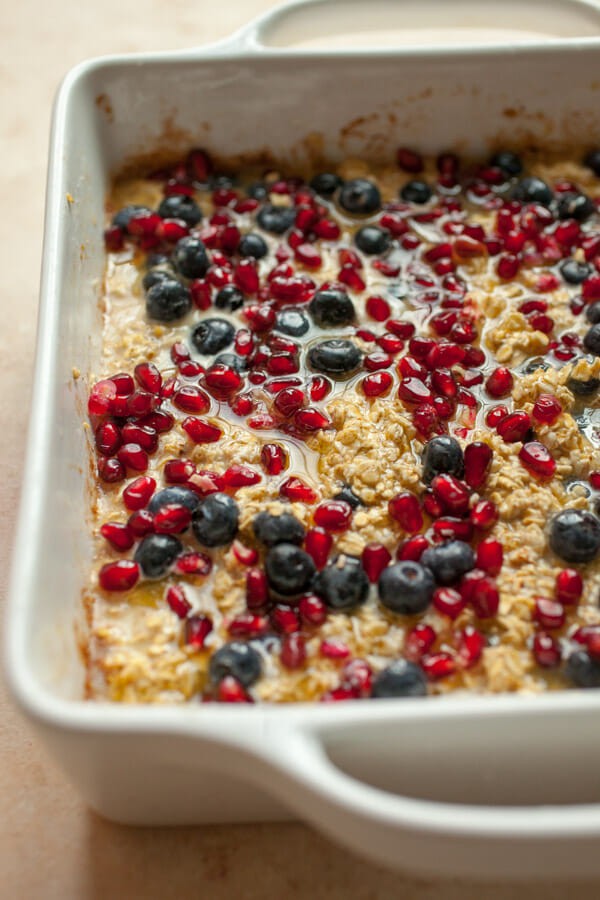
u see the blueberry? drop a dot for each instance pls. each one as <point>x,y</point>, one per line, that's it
<point>253,245</point>
<point>122,217</point>
<point>180,206</point>
<point>592,161</point>
<point>292,322</point>
<point>220,181</point>
<point>239,364</point>
<point>574,272</point>
<point>348,496</point>
<point>592,312</point>
<point>336,357</point>
<point>215,520</point>
<point>271,529</point>
<point>326,183</point>
<point>190,257</point>
<point>240,660</point>
<point>168,300</point>
<point>442,454</point>
<point>591,340</point>
<point>343,583</point>
<point>156,553</point>
<point>154,276</point>
<point>509,162</point>
<point>372,240</point>
<point>257,190</point>
<point>416,192</point>
<point>583,388</point>
<point>535,364</point>
<point>406,587</point>
<point>400,679</point>
<point>582,670</point>
<point>276,219</point>
<point>332,307</point>
<point>360,197</point>
<point>212,335</point>
<point>229,297</point>
<point>157,259</point>
<point>575,535</point>
<point>573,205</point>
<point>532,190</point>
<point>289,569</point>
<point>175,494</point>
<point>449,561</point>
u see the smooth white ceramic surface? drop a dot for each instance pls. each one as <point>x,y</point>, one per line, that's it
<point>454,785</point>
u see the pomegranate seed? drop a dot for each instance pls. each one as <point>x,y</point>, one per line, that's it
<point>412,390</point>
<point>118,535</point>
<point>205,483</point>
<point>327,230</point>
<point>495,416</point>
<point>284,619</point>
<point>377,308</point>
<point>508,266</point>
<point>448,602</point>
<point>113,239</point>
<point>190,369</point>
<point>481,592</point>
<point>593,646</point>
<point>569,587</point>
<point>500,382</point>
<point>295,489</point>
<point>333,515</point>
<point>590,289</point>
<point>584,633</point>
<point>237,476</point>
<point>172,518</point>
<point>546,409</point>
<point>248,625</point>
<point>308,256</point>
<point>133,457</point>
<point>452,528</point>
<point>404,330</point>
<point>418,641</point>
<point>445,353</point>
<point>438,665</point>
<point>230,690</point>
<point>137,494</point>
<point>595,480</point>
<point>261,421</point>
<point>257,589</point>
<point>274,459</point>
<point>470,646</point>
<point>409,161</point>
<point>107,438</point>
<point>293,651</point>
<point>179,353</point>
<point>334,649</point>
<point>197,629</point>
<point>413,548</point>
<point>140,434</point>
<point>537,459</point>
<point>484,515</point>
<point>377,360</point>
<point>426,420</point>
<point>442,381</point>
<point>309,420</point>
<point>282,364</point>
<point>546,650</point>
<point>119,576</point>
<point>193,564</point>
<point>201,294</point>
<point>376,384</point>
<point>148,377</point>
<point>357,676</point>
<point>451,493</point>
<point>160,420</point>
<point>406,510</point>
<point>549,613</point>
<point>221,380</point>
<point>478,458</point>
<point>318,544</point>
<point>289,400</point>
<point>375,557</point>
<point>177,601</point>
<point>201,431</point>
<point>319,387</point>
<point>389,343</point>
<point>101,396</point>
<point>312,609</point>
<point>337,695</point>
<point>178,471</point>
<point>247,556</point>
<point>141,522</point>
<point>191,399</point>
<point>260,318</point>
<point>349,276</point>
<point>514,427</point>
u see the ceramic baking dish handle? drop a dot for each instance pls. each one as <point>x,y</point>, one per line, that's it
<point>365,817</point>
<point>354,24</point>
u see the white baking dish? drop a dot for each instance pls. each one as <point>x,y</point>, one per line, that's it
<point>504,786</point>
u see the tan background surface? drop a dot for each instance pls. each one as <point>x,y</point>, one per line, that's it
<point>50,845</point>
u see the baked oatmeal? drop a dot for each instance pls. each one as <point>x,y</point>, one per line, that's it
<point>345,432</point>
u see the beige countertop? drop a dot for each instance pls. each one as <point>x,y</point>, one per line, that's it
<point>51,846</point>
